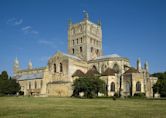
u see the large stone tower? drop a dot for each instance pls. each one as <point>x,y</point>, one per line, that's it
<point>85,39</point>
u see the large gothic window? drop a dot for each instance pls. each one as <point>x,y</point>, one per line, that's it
<point>138,86</point>
<point>116,68</point>
<point>127,87</point>
<point>54,68</point>
<point>112,86</point>
<point>61,67</point>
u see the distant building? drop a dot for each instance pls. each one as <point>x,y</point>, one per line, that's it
<point>84,58</point>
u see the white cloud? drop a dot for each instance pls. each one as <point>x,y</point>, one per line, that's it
<point>47,43</point>
<point>29,30</point>
<point>14,21</point>
<point>44,59</point>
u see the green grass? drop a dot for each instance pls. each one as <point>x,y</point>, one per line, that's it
<point>52,107</point>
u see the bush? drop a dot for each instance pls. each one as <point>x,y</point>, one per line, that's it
<point>114,98</point>
<point>21,93</point>
<point>139,94</point>
<point>116,95</point>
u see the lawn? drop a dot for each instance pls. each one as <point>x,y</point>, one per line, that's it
<point>52,107</point>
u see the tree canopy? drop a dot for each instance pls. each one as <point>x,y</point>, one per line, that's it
<point>160,86</point>
<point>8,86</point>
<point>90,86</point>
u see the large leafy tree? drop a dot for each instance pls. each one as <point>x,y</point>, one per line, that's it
<point>8,86</point>
<point>160,86</point>
<point>90,86</point>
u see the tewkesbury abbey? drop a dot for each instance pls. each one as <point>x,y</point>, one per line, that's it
<point>85,58</point>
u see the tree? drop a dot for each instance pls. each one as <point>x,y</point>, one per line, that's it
<point>4,75</point>
<point>160,86</point>
<point>8,86</point>
<point>89,86</point>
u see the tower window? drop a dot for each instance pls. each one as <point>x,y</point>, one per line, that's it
<point>77,41</point>
<point>73,50</point>
<point>80,49</point>
<point>54,68</point>
<point>81,39</point>
<point>73,42</point>
<point>61,67</point>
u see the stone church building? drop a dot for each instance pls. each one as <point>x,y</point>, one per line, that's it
<point>84,58</point>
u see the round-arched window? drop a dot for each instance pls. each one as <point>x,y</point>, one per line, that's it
<point>116,68</point>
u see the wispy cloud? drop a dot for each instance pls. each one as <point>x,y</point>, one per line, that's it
<point>14,21</point>
<point>44,59</point>
<point>29,30</point>
<point>47,43</point>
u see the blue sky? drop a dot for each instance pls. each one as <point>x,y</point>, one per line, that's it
<point>36,29</point>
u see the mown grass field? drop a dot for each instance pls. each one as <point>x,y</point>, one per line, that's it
<point>51,107</point>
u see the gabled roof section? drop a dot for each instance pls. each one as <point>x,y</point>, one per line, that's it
<point>92,73</point>
<point>108,72</point>
<point>61,54</point>
<point>131,70</point>
<point>78,73</point>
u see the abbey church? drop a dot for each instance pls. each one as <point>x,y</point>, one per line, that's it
<point>84,58</point>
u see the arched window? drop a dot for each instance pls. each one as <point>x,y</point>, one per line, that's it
<point>97,52</point>
<point>94,67</point>
<point>80,49</point>
<point>127,87</point>
<point>73,50</point>
<point>41,84</point>
<point>61,67</point>
<point>81,39</point>
<point>91,49</point>
<point>35,84</point>
<point>54,68</point>
<point>116,68</point>
<point>77,41</point>
<point>73,42</point>
<point>112,86</point>
<point>138,86</point>
<point>29,85</point>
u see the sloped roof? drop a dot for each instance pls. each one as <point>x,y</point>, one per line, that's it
<point>109,56</point>
<point>108,72</point>
<point>78,73</point>
<point>71,56</point>
<point>92,72</point>
<point>30,76</point>
<point>131,70</point>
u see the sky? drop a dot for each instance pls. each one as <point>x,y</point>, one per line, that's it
<point>36,29</point>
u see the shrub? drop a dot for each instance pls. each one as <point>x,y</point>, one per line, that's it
<point>116,95</point>
<point>114,98</point>
<point>21,93</point>
<point>139,94</point>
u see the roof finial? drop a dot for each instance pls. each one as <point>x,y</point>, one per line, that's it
<point>86,16</point>
<point>30,65</point>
